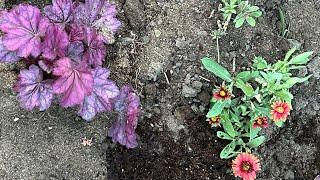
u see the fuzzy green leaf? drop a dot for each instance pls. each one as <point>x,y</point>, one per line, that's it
<point>251,21</point>
<point>228,127</point>
<point>228,150</point>
<point>216,69</point>
<point>292,81</point>
<point>279,123</point>
<point>285,96</point>
<point>301,58</point>
<point>260,63</point>
<point>239,22</point>
<point>254,132</point>
<point>289,54</point>
<point>216,109</point>
<point>254,143</point>
<point>256,14</point>
<point>224,135</point>
<point>245,87</point>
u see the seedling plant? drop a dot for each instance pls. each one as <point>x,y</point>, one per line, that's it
<point>250,101</point>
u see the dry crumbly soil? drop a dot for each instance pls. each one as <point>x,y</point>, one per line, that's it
<point>158,51</point>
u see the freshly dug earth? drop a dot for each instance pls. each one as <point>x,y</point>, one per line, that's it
<point>158,51</point>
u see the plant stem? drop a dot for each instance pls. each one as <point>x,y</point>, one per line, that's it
<point>218,51</point>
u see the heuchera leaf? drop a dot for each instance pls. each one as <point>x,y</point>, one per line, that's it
<point>6,55</point>
<point>33,91</point>
<point>75,51</point>
<point>128,107</point>
<point>76,33</point>
<point>55,42</point>
<point>74,83</point>
<point>100,100</point>
<point>60,11</point>
<point>96,50</point>
<point>99,14</point>
<point>24,26</point>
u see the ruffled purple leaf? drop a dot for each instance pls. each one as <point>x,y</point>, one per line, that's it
<point>99,14</point>
<point>96,50</point>
<point>77,33</point>
<point>23,27</point>
<point>7,55</point>
<point>46,65</point>
<point>128,106</point>
<point>75,51</point>
<point>100,100</point>
<point>74,83</point>
<point>60,11</point>
<point>55,42</point>
<point>32,90</point>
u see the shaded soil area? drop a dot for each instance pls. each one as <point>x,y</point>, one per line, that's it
<point>158,51</point>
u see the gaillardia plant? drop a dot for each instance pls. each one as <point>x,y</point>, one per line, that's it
<point>64,50</point>
<point>251,101</point>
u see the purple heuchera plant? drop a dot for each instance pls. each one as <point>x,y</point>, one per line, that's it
<point>64,51</point>
<point>128,107</point>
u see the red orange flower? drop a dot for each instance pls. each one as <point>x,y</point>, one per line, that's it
<point>246,166</point>
<point>214,121</point>
<point>260,122</point>
<point>222,94</point>
<point>280,111</point>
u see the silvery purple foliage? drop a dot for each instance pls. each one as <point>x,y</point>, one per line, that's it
<point>96,51</point>
<point>128,107</point>
<point>75,51</point>
<point>74,83</point>
<point>6,55</point>
<point>60,11</point>
<point>23,27</point>
<point>32,90</point>
<point>101,99</point>
<point>99,14</point>
<point>64,51</point>
<point>55,42</point>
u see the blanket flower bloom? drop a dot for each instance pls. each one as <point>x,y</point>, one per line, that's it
<point>246,166</point>
<point>222,94</point>
<point>280,111</point>
<point>260,122</point>
<point>214,121</point>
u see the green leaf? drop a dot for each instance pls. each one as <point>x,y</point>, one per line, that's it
<point>292,81</point>
<point>289,54</point>
<point>284,95</point>
<point>260,63</point>
<point>228,127</point>
<point>301,58</point>
<point>216,69</point>
<point>254,132</point>
<point>247,75</point>
<point>245,87</point>
<point>279,123</point>
<point>239,22</point>
<point>223,135</point>
<point>251,21</point>
<point>227,151</point>
<point>216,109</point>
<point>253,8</point>
<point>256,14</point>
<point>254,143</point>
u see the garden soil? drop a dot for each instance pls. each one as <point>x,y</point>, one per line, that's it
<point>158,51</point>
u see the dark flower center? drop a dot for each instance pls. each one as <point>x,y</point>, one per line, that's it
<point>246,167</point>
